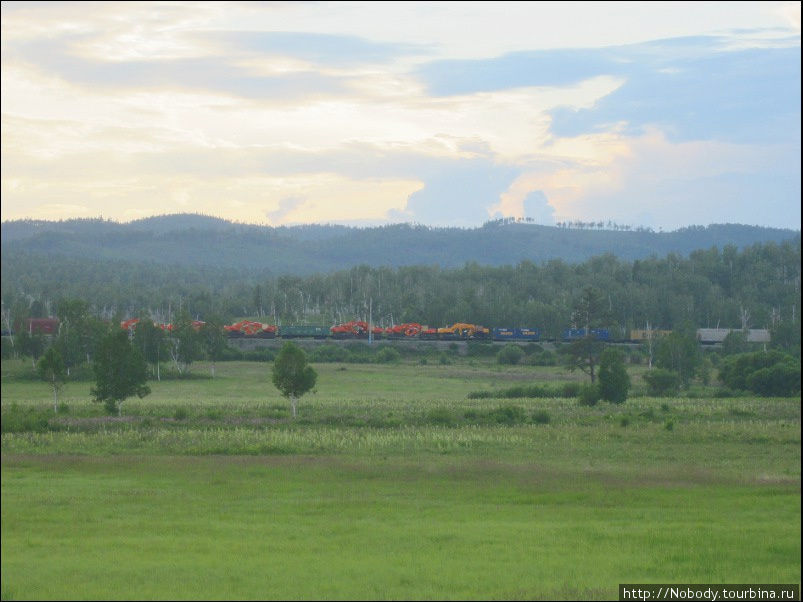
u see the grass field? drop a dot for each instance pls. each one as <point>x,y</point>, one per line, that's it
<point>392,484</point>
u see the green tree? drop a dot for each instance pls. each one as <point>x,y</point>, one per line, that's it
<point>680,353</point>
<point>590,310</point>
<point>291,374</point>
<point>150,340</point>
<point>583,354</point>
<point>51,369</point>
<point>213,340</point>
<point>735,342</point>
<point>79,332</point>
<point>30,345</point>
<point>186,343</point>
<point>120,372</point>
<point>614,382</point>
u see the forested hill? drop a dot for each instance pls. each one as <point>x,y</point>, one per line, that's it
<point>196,240</point>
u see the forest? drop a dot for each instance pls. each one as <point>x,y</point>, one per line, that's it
<point>755,287</point>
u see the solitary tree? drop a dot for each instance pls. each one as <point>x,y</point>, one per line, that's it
<point>51,369</point>
<point>291,374</point>
<point>589,311</point>
<point>120,372</point>
<point>613,379</point>
<point>584,354</point>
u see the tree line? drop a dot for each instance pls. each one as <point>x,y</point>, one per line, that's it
<point>757,287</point>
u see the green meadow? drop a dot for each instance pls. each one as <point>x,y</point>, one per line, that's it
<point>391,484</point>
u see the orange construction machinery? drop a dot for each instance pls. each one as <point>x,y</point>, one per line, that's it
<point>462,330</point>
<point>356,329</point>
<point>247,328</point>
<point>131,324</point>
<point>410,329</point>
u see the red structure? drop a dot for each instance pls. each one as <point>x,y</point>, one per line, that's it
<point>42,326</point>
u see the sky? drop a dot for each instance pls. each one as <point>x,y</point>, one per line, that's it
<point>659,114</point>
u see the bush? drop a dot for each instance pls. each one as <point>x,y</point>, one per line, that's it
<point>614,382</point>
<point>329,353</point>
<point>566,390</point>
<point>542,358</point>
<point>230,354</point>
<point>17,419</point>
<point>662,383</point>
<point>510,355</point>
<point>736,370</point>
<point>388,355</point>
<point>509,415</point>
<point>480,349</point>
<point>780,380</point>
<point>636,358</point>
<point>541,417</point>
<point>440,416</point>
<point>589,395</point>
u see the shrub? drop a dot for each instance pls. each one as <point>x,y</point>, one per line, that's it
<point>329,353</point>
<point>440,416</point>
<point>509,415</point>
<point>510,355</point>
<point>570,389</point>
<point>735,371</point>
<point>542,358</point>
<point>614,382</point>
<point>480,349</point>
<point>388,355</point>
<point>17,419</point>
<point>636,358</point>
<point>181,413</point>
<point>662,383</point>
<point>541,417</point>
<point>589,395</point>
<point>780,380</point>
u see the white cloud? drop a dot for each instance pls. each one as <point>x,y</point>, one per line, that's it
<point>73,145</point>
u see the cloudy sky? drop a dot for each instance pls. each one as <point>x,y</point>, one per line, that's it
<point>656,114</point>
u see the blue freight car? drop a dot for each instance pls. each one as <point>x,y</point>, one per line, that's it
<point>527,334</point>
<point>502,334</point>
<point>573,334</point>
<point>516,334</point>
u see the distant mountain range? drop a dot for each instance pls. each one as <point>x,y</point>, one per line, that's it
<point>197,240</point>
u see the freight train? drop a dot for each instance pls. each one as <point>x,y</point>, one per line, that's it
<point>357,329</point>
